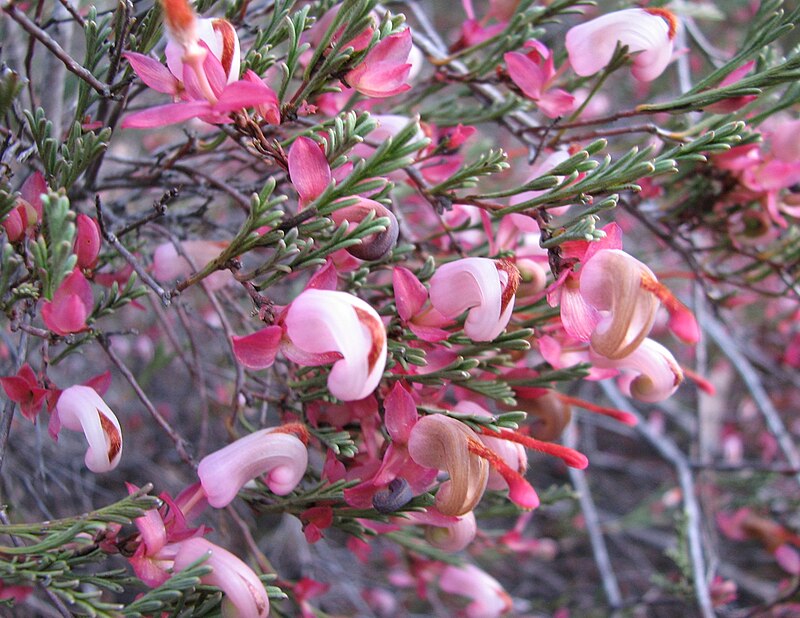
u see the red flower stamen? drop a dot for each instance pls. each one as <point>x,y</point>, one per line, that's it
<point>619,415</point>
<point>521,492</point>
<point>569,456</point>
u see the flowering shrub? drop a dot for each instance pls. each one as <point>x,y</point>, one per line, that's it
<point>400,302</point>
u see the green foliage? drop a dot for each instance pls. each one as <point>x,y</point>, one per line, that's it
<point>52,251</point>
<point>65,161</point>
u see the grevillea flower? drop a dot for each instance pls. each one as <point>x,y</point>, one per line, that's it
<point>489,600</point>
<point>71,305</point>
<point>443,443</point>
<point>623,311</point>
<point>648,33</point>
<point>276,454</point>
<point>484,288</point>
<point>326,325</point>
<point>385,69</point>
<point>653,373</point>
<point>80,408</point>
<point>533,72</point>
<point>245,595</point>
<point>512,453</point>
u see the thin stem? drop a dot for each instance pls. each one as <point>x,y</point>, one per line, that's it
<point>45,39</point>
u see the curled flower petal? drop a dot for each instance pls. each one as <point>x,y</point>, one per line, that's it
<point>325,322</point>
<point>481,286</point>
<point>611,281</point>
<point>281,456</point>
<point>656,374</point>
<point>648,33</point>
<point>80,408</point>
<point>244,593</point>
<point>442,443</point>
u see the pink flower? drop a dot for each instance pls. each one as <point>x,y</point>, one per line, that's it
<point>24,390</point>
<point>648,33</point>
<point>385,69</point>
<point>489,600</point>
<point>87,241</point>
<point>80,408</point>
<point>28,211</point>
<point>621,312</point>
<point>276,453</point>
<point>534,73</point>
<point>411,299</point>
<point>398,478</point>
<point>325,326</point>
<point>443,443</point>
<point>71,305</point>
<point>654,375</point>
<point>484,288</point>
<point>453,534</point>
<point>309,170</point>
<point>245,595</point>
<point>208,82</point>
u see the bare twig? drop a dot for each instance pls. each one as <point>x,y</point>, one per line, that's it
<point>760,396</point>
<point>111,238</point>
<point>179,442</point>
<point>691,508</point>
<point>592,520</point>
<point>45,39</point>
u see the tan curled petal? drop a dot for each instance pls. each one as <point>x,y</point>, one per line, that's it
<point>442,443</point>
<point>611,281</point>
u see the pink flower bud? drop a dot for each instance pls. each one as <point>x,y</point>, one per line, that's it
<point>309,170</point>
<point>14,224</point>
<point>653,372</point>
<point>80,408</point>
<point>281,457</point>
<point>87,241</point>
<point>385,69</point>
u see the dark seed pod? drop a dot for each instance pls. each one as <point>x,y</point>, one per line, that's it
<point>395,496</point>
<point>377,246</point>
